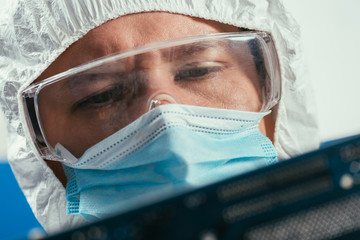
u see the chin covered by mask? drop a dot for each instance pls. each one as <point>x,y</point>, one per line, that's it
<point>170,148</point>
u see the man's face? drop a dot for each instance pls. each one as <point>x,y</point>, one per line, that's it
<point>128,32</point>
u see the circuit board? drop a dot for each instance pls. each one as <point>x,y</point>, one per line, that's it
<point>313,196</point>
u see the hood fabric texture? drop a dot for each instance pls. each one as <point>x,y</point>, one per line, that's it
<point>33,33</point>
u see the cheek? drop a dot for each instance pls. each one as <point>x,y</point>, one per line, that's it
<point>52,124</point>
<point>262,126</point>
<point>267,126</point>
<point>56,122</point>
<point>254,102</point>
<point>51,119</point>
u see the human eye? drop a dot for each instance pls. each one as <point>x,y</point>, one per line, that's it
<point>198,71</point>
<point>104,97</point>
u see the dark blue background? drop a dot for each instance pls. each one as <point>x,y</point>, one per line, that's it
<point>17,219</point>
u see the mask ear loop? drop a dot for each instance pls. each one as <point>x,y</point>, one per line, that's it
<point>160,98</point>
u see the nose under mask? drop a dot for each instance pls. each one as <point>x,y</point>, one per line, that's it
<point>170,148</point>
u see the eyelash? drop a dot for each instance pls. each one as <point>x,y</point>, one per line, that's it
<point>117,93</point>
<point>192,72</point>
<point>111,94</point>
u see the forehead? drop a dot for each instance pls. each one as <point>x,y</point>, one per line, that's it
<point>131,31</point>
<point>143,28</point>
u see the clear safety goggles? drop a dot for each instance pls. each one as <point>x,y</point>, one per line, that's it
<point>84,105</point>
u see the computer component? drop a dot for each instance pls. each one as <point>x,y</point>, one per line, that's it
<point>313,196</point>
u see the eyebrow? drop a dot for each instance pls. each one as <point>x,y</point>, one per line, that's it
<point>74,82</point>
<point>187,50</point>
<point>176,53</point>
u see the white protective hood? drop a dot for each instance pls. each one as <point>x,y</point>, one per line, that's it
<point>33,33</point>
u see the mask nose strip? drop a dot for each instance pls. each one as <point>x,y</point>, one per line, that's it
<point>161,99</point>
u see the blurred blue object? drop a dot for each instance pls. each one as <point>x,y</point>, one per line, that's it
<point>337,140</point>
<point>17,220</point>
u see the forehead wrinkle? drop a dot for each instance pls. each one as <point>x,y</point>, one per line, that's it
<point>180,52</point>
<point>98,45</point>
<point>97,48</point>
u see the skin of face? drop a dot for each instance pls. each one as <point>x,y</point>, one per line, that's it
<point>128,32</point>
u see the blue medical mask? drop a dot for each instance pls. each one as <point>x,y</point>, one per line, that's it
<point>170,148</point>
